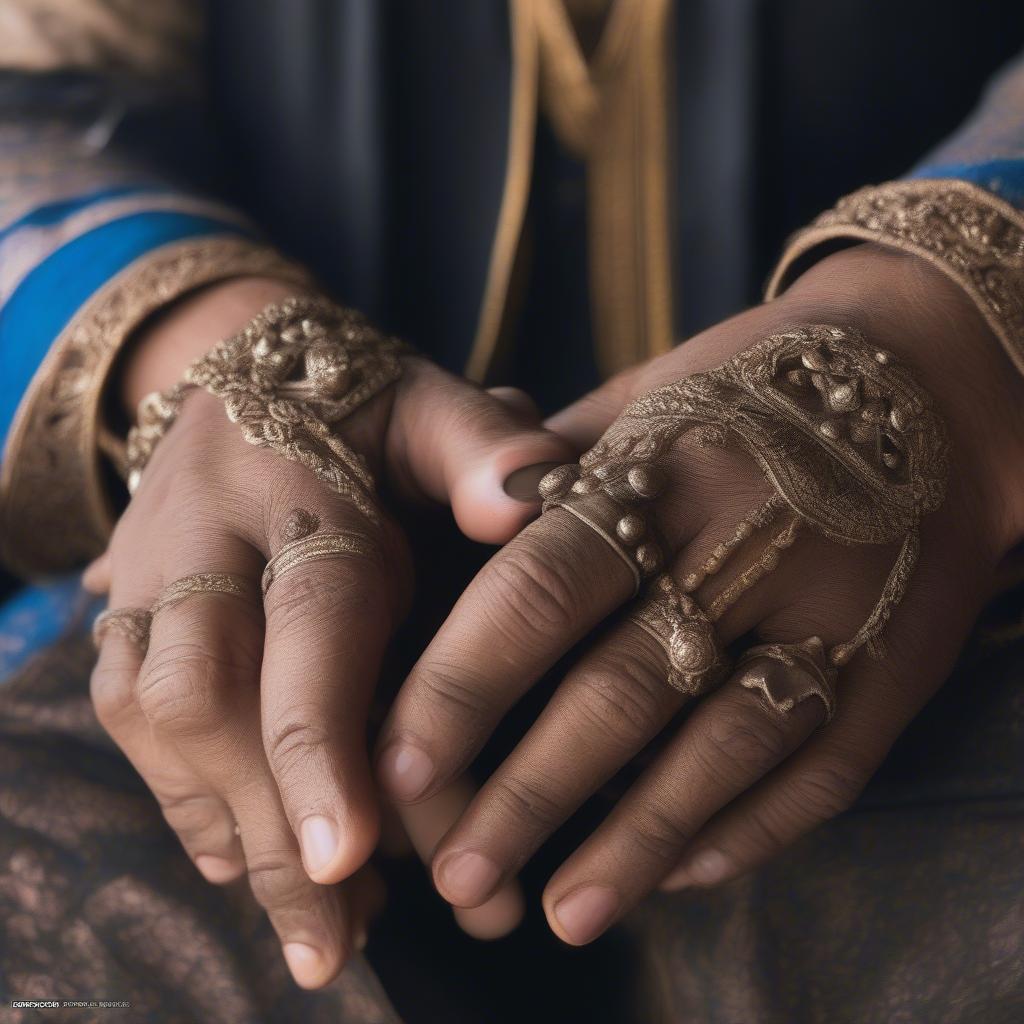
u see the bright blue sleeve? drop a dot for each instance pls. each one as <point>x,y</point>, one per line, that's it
<point>988,149</point>
<point>77,207</point>
<point>107,214</point>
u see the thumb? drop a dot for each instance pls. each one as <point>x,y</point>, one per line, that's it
<point>97,575</point>
<point>482,453</point>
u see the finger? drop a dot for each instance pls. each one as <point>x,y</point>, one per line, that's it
<point>460,445</point>
<point>316,924</point>
<point>612,703</point>
<point>199,817</point>
<point>97,575</point>
<point>327,624</point>
<point>367,896</point>
<point>669,807</point>
<point>199,688</point>
<point>531,603</point>
<point>878,698</point>
<point>822,780</point>
<point>730,741</point>
<point>615,700</point>
<point>519,402</point>
<point>794,800</point>
<point>426,824</point>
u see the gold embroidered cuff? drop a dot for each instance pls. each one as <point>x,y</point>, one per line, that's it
<point>971,235</point>
<point>55,510</point>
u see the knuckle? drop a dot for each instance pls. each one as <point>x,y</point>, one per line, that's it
<point>112,690</point>
<point>306,602</point>
<point>176,690</point>
<point>525,802</point>
<point>193,815</point>
<point>660,835</point>
<point>278,882</point>
<point>454,691</point>
<point>529,591</point>
<point>294,739</point>
<point>761,834</point>
<point>825,790</point>
<point>618,701</point>
<point>749,743</point>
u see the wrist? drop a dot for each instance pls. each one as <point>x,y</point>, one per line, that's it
<point>163,348</point>
<point>904,304</point>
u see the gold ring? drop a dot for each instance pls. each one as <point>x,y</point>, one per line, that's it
<point>696,657</point>
<point>612,511</point>
<point>132,623</point>
<point>788,674</point>
<point>203,583</point>
<point>330,544</point>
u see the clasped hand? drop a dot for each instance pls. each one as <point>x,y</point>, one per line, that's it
<point>255,716</point>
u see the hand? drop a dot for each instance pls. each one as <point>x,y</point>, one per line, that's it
<point>734,782</point>
<point>247,718</point>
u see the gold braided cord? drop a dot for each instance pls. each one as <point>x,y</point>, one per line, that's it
<point>766,562</point>
<point>892,594</point>
<point>758,519</point>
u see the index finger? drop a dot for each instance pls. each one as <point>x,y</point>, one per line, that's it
<point>331,600</point>
<point>532,602</point>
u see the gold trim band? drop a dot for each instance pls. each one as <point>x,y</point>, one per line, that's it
<point>971,235</point>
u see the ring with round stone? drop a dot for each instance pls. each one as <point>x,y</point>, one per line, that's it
<point>612,507</point>
<point>697,660</point>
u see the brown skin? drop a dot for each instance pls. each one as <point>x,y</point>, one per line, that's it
<point>733,786</point>
<point>255,713</point>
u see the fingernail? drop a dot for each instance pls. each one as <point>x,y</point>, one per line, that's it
<point>707,867</point>
<point>468,878</point>
<point>305,963</point>
<point>522,484</point>
<point>319,842</point>
<point>584,914</point>
<point>405,770</point>
<point>218,869</point>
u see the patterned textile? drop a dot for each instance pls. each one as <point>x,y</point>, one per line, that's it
<point>99,901</point>
<point>39,616</point>
<point>907,909</point>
